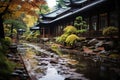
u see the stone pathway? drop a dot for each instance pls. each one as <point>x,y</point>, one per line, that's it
<point>51,64</point>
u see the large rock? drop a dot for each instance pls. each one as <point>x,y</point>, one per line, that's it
<point>92,42</point>
<point>99,44</point>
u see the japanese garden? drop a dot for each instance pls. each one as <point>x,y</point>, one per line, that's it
<point>59,40</point>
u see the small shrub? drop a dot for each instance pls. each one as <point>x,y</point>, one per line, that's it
<point>28,38</point>
<point>71,39</point>
<point>110,31</point>
<point>37,35</point>
<point>62,38</point>
<point>5,43</point>
<point>8,40</point>
<point>54,46</point>
<point>70,29</point>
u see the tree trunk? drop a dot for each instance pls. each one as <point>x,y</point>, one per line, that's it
<point>1,28</point>
<point>1,20</point>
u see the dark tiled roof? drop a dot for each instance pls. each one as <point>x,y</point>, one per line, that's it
<point>56,13</point>
<point>74,2</point>
<point>79,1</point>
<point>67,13</point>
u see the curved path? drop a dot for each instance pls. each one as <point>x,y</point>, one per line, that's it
<point>51,66</point>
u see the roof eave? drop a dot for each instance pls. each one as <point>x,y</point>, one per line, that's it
<point>76,12</point>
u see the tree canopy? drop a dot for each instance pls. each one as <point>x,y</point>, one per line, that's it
<point>16,8</point>
<point>20,9</point>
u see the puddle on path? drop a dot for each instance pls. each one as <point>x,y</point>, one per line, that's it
<point>52,74</point>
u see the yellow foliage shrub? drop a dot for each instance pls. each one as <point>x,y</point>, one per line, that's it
<point>71,39</point>
<point>70,29</point>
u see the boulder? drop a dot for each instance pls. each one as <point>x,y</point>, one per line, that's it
<point>99,44</point>
<point>92,42</point>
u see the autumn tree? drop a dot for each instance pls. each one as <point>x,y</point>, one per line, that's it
<point>14,9</point>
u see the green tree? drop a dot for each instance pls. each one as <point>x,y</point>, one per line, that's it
<point>18,24</point>
<point>79,23</point>
<point>11,26</point>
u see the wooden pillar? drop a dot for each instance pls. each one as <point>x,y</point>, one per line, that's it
<point>1,28</point>
<point>90,24</point>
<point>43,32</point>
<point>98,22</point>
<point>49,32</point>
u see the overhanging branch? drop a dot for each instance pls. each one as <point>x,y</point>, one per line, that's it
<point>5,10</point>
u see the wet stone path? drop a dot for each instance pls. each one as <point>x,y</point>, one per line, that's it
<point>48,65</point>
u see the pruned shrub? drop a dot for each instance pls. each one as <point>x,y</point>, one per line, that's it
<point>70,29</point>
<point>81,31</point>
<point>70,40</point>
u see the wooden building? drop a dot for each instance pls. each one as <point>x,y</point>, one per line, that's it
<point>97,13</point>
